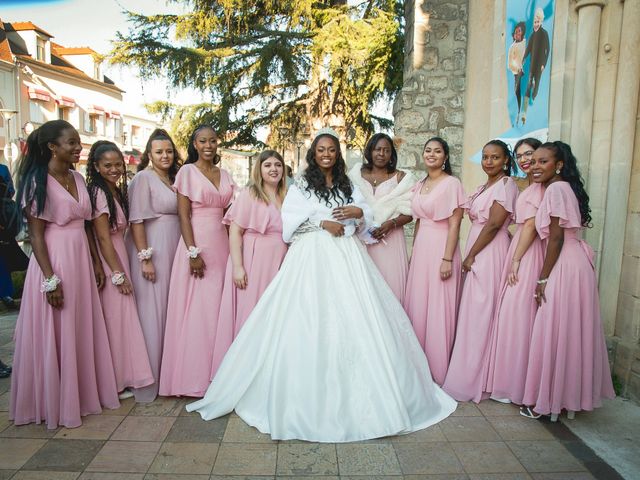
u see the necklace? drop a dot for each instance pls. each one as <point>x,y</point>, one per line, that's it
<point>163,179</point>
<point>376,181</point>
<point>64,182</point>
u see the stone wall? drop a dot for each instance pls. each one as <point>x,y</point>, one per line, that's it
<point>432,99</point>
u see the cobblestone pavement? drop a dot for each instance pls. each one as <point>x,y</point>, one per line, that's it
<point>162,441</point>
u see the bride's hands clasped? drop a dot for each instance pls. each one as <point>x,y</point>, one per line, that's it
<point>347,212</point>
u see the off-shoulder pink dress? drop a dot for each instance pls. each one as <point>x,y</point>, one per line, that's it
<point>430,302</point>
<point>516,308</point>
<point>568,363</point>
<point>194,303</point>
<point>128,348</point>
<point>62,366</point>
<point>262,253</point>
<point>155,204</point>
<point>467,376</point>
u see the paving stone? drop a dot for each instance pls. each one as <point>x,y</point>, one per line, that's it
<point>111,476</point>
<point>192,429</point>
<point>519,428</point>
<point>185,458</point>
<point>174,476</point>
<point>487,457</point>
<point>491,408</point>
<point>125,457</point>
<point>468,429</point>
<point>38,475</point>
<point>467,409</point>
<point>239,432</point>
<point>244,477</point>
<point>356,477</point>
<point>443,476</point>
<point>4,420</point>
<point>545,456</point>
<point>161,407</point>
<point>4,402</point>
<point>141,429</point>
<point>367,459</point>
<point>6,474</point>
<point>30,430</point>
<point>94,427</point>
<point>563,476</point>
<point>246,459</point>
<point>125,407</point>
<point>5,384</point>
<point>433,458</point>
<point>14,452</point>
<point>307,459</point>
<point>64,455</point>
<point>499,476</point>
<point>426,435</point>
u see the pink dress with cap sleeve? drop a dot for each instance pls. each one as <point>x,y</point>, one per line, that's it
<point>516,308</point>
<point>568,363</point>
<point>430,302</point>
<point>262,253</point>
<point>194,303</point>
<point>62,366</point>
<point>155,205</point>
<point>128,348</point>
<point>467,376</point>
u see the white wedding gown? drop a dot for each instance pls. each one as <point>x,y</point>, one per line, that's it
<point>328,354</point>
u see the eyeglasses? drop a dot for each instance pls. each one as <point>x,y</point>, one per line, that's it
<point>526,154</point>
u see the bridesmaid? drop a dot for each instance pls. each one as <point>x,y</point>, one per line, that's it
<point>490,210</point>
<point>62,366</point>
<point>517,308</point>
<point>197,276</point>
<point>433,285</point>
<point>152,240</point>
<point>568,363</point>
<point>106,183</point>
<point>256,248</point>
<point>387,190</point>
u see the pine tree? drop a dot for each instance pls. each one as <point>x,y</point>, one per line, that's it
<point>292,65</point>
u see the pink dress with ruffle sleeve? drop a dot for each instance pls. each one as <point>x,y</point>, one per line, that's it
<point>430,302</point>
<point>568,362</point>
<point>194,303</point>
<point>62,366</point>
<point>467,376</point>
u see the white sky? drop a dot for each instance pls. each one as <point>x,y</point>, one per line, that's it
<point>80,23</point>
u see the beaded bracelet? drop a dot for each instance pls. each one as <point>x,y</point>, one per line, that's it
<point>50,284</point>
<point>193,251</point>
<point>145,254</point>
<point>117,278</point>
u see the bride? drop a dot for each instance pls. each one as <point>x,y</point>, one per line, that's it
<point>328,353</point>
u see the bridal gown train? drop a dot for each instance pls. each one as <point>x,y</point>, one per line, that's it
<point>328,353</point>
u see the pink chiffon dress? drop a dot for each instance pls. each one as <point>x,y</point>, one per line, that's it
<point>128,348</point>
<point>467,376</point>
<point>194,303</point>
<point>568,362</point>
<point>155,204</point>
<point>262,253</point>
<point>62,366</point>
<point>390,256</point>
<point>430,302</point>
<point>516,308</point>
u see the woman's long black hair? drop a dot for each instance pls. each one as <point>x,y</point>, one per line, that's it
<point>507,152</point>
<point>570,174</point>
<point>160,134</point>
<point>445,147</point>
<point>192,153</point>
<point>371,145</point>
<point>34,163</point>
<point>316,183</point>
<point>96,182</point>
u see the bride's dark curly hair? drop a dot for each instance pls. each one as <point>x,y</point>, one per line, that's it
<point>316,183</point>
<point>570,174</point>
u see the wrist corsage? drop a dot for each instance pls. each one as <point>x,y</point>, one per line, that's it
<point>193,251</point>
<point>117,278</point>
<point>145,254</point>
<point>50,284</point>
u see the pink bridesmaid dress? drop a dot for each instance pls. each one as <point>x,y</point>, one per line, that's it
<point>391,257</point>
<point>128,349</point>
<point>62,366</point>
<point>194,303</point>
<point>516,309</point>
<point>262,253</point>
<point>155,204</point>
<point>568,363</point>
<point>467,376</point>
<point>430,302</point>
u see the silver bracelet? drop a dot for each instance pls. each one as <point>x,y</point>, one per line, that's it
<point>145,254</point>
<point>117,278</point>
<point>542,281</point>
<point>50,284</point>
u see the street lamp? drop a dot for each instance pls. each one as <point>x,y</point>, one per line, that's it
<point>7,115</point>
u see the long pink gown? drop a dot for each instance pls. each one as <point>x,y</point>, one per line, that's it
<point>568,363</point>
<point>194,303</point>
<point>155,204</point>
<point>516,308</point>
<point>430,302</point>
<point>62,368</point>
<point>467,376</point>
<point>262,253</point>
<point>390,258</point>
<point>128,349</point>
